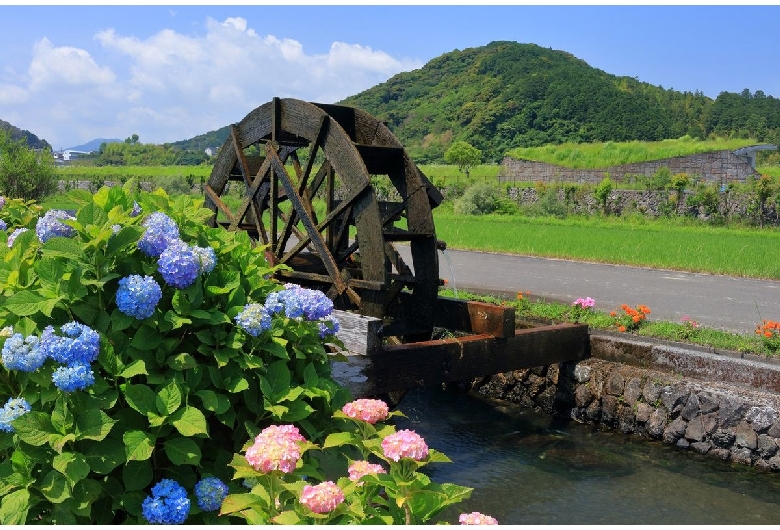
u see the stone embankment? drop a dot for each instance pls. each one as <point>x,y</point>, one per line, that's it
<point>721,404</point>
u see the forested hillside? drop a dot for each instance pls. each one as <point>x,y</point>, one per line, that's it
<point>15,133</point>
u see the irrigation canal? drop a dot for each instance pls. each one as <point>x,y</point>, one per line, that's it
<point>530,468</point>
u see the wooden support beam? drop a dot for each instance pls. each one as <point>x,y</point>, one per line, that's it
<point>406,366</point>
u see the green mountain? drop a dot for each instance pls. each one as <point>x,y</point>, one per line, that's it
<point>16,133</point>
<point>506,95</point>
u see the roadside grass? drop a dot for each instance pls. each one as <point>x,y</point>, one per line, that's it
<point>602,155</point>
<point>666,244</point>
<point>533,309</point>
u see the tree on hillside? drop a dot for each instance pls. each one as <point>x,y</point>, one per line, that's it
<point>25,173</point>
<point>464,155</point>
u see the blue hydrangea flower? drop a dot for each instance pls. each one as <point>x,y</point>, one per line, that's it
<point>15,234</point>
<point>168,503</point>
<point>328,326</point>
<point>51,225</point>
<point>207,257</point>
<point>81,344</point>
<point>3,225</point>
<point>13,408</point>
<point>299,302</point>
<point>210,492</point>
<point>179,265</point>
<point>136,211</point>
<point>138,296</point>
<point>116,228</point>
<point>75,376</point>
<point>25,355</point>
<point>160,231</point>
<point>254,319</point>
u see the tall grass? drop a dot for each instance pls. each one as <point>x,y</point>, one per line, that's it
<point>658,244</point>
<point>601,155</point>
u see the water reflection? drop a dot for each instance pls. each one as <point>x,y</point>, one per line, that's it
<point>530,468</point>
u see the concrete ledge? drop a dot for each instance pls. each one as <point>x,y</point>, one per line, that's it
<point>687,360</point>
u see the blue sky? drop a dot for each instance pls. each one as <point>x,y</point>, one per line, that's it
<point>73,73</point>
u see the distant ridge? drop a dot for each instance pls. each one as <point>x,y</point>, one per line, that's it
<point>17,133</point>
<point>93,145</point>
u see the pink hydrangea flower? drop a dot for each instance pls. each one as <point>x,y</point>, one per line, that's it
<point>584,302</point>
<point>476,518</point>
<point>322,498</point>
<point>359,468</point>
<point>404,444</point>
<point>276,447</point>
<point>368,410</point>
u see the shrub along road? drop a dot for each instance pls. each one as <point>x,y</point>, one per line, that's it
<point>718,302</point>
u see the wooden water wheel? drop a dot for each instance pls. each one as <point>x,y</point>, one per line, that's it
<point>307,175</point>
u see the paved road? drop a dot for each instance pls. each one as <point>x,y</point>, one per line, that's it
<point>719,302</point>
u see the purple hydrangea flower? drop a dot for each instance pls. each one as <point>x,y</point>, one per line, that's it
<point>81,344</point>
<point>160,231</point>
<point>51,225</point>
<point>168,503</point>
<point>2,202</point>
<point>179,265</point>
<point>136,211</point>
<point>23,354</point>
<point>75,376</point>
<point>328,326</point>
<point>12,409</point>
<point>254,319</point>
<point>138,296</point>
<point>210,492</point>
<point>3,225</point>
<point>15,234</point>
<point>207,257</point>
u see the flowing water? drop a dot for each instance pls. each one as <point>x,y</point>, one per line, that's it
<point>452,270</point>
<point>530,468</point>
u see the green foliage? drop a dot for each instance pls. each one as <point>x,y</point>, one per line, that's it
<point>601,155</point>
<point>705,198</point>
<point>464,155</point>
<point>602,191</point>
<point>479,199</point>
<point>24,172</point>
<point>176,394</point>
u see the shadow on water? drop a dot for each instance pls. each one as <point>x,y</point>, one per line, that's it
<point>531,468</point>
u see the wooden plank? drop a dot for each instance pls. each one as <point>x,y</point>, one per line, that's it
<point>432,362</point>
<point>475,317</point>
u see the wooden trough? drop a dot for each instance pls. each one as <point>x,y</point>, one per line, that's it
<point>480,339</point>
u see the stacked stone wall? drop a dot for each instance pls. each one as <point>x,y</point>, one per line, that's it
<point>731,421</point>
<point>717,166</point>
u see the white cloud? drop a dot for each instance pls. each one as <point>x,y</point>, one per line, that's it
<point>170,86</point>
<point>12,95</point>
<point>52,67</point>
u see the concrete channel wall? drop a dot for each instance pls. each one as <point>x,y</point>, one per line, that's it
<point>722,404</point>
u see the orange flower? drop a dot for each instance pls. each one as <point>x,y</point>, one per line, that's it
<point>622,329</point>
<point>612,313</point>
<point>519,296</point>
<point>768,334</point>
<point>636,319</point>
<point>644,309</point>
<point>446,281</point>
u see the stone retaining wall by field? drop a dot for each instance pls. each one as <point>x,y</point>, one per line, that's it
<point>717,166</point>
<point>716,403</point>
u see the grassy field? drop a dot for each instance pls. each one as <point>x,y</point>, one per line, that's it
<point>599,155</point>
<point>636,241</point>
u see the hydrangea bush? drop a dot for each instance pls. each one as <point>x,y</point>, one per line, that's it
<point>152,372</point>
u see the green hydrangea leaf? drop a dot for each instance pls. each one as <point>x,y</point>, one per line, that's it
<point>183,451</point>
